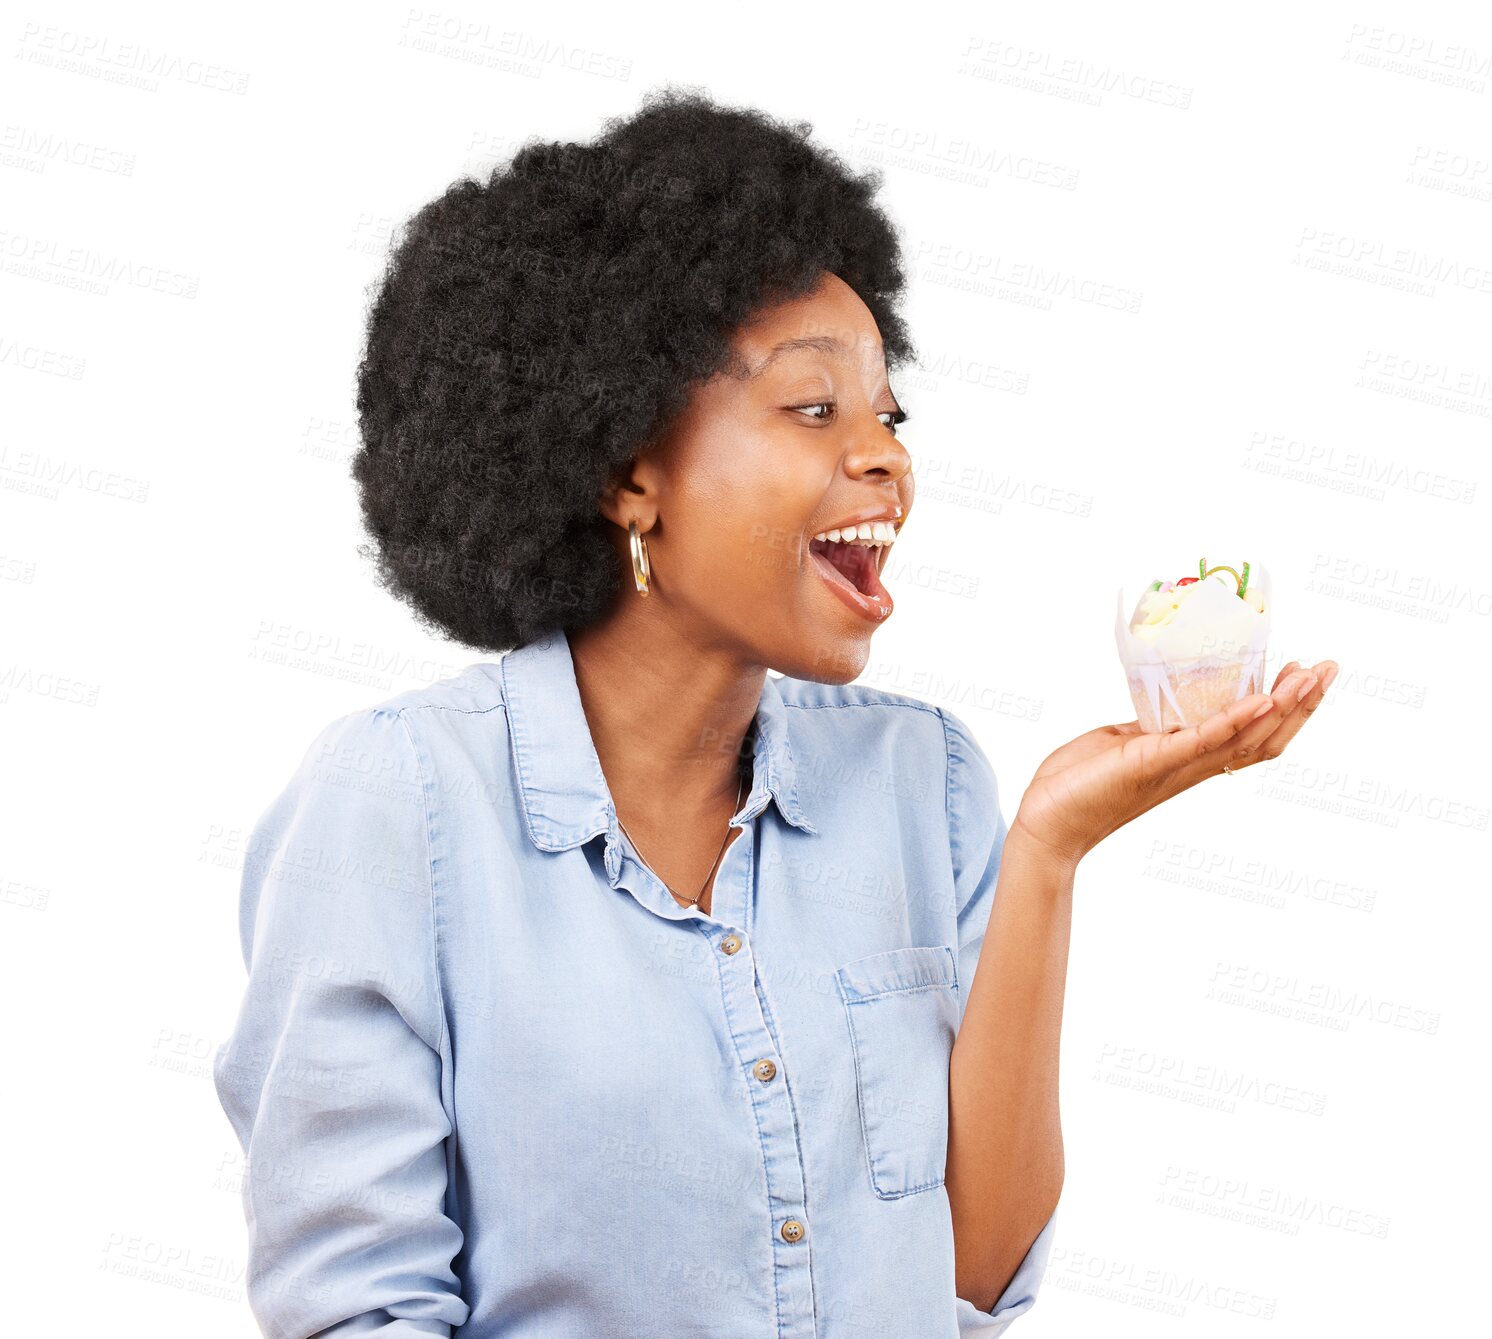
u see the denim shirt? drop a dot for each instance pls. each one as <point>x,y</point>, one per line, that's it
<point>489,1075</point>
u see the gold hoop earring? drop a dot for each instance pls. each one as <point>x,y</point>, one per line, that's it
<point>641,572</point>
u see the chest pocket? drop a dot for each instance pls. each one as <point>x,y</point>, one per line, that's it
<point>902,1011</point>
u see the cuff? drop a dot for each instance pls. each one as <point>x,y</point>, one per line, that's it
<point>1017,1299</point>
<point>381,1325</point>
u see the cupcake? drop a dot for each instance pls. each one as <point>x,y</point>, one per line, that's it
<point>1193,646</point>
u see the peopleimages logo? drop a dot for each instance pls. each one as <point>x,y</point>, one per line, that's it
<point>1364,796</point>
<point>1067,77</point>
<point>964,159</point>
<point>1366,257</point>
<point>1356,471</point>
<point>1452,65</point>
<point>1230,871</point>
<point>1029,282</point>
<point>1273,1208</point>
<point>1205,1085</point>
<point>1235,983</point>
<point>1425,595</point>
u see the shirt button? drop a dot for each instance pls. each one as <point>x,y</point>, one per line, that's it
<point>792,1230</point>
<point>729,944</point>
<point>765,1070</point>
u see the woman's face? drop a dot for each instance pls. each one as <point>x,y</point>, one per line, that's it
<point>755,468</point>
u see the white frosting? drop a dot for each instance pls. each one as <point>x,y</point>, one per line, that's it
<point>1205,619</point>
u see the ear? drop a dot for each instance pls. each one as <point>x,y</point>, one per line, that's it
<point>631,493</point>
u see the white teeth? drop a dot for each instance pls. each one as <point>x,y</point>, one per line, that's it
<point>872,533</point>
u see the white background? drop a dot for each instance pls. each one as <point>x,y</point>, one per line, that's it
<point>1187,282</point>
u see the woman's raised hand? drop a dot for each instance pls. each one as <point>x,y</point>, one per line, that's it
<point>1101,780</point>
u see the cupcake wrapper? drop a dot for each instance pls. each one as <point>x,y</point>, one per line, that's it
<point>1167,697</point>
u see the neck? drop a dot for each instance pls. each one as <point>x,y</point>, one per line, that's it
<point>668,718</point>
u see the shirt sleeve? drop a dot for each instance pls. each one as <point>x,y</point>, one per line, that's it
<point>977,831</point>
<point>334,1074</point>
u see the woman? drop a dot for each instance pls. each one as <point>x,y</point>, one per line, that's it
<point>615,987</point>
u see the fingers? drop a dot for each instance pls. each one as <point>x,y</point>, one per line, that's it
<point>1290,724</point>
<point>1297,696</point>
<point>1286,702</point>
<point>1179,749</point>
<point>1236,732</point>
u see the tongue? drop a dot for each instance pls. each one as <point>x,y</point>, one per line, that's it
<point>851,559</point>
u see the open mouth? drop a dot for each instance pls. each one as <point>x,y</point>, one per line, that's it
<point>855,562</point>
<point>853,572</point>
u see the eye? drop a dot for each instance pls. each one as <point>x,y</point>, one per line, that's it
<point>889,417</point>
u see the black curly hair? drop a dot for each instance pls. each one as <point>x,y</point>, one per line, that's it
<point>533,332</point>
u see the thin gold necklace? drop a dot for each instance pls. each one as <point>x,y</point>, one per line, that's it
<point>694,901</point>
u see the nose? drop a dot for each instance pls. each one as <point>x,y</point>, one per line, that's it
<point>878,454</point>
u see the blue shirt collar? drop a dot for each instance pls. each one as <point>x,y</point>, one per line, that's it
<point>564,793</point>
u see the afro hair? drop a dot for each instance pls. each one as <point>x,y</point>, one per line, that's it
<point>532,333</point>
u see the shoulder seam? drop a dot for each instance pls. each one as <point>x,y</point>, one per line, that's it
<point>441,706</point>
<point>947,779</point>
<point>440,998</point>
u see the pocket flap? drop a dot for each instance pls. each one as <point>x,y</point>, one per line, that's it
<point>898,969</point>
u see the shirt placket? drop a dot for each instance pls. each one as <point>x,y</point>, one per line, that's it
<point>761,1064</point>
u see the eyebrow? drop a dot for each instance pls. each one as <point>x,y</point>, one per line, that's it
<point>818,343</point>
